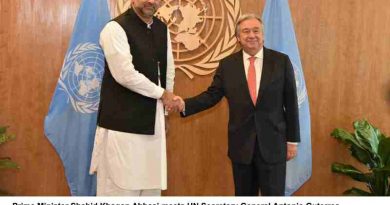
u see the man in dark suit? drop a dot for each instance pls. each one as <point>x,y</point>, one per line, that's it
<point>263,130</point>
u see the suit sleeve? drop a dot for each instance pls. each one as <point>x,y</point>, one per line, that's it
<point>208,98</point>
<point>291,103</point>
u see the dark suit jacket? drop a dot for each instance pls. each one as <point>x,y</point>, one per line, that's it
<point>273,121</point>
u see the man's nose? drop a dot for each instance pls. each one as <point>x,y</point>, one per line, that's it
<point>251,34</point>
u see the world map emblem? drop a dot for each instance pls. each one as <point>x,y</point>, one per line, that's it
<point>202,31</point>
<point>81,77</point>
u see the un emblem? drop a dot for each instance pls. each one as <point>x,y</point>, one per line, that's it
<point>82,75</point>
<point>300,84</point>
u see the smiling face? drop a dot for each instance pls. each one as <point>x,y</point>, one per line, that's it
<point>250,35</point>
<point>146,8</point>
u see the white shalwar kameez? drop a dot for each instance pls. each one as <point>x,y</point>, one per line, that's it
<point>129,163</point>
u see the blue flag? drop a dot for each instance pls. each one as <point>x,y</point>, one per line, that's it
<point>280,35</point>
<point>71,122</point>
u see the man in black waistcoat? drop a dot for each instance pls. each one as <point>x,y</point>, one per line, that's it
<point>263,130</point>
<point>129,154</point>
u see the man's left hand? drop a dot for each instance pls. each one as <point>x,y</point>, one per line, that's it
<point>291,151</point>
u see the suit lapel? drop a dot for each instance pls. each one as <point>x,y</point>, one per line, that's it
<point>266,74</point>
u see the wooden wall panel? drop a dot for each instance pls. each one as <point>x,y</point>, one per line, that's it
<point>34,38</point>
<point>197,146</point>
<point>344,48</point>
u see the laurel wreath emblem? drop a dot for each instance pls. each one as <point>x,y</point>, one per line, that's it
<point>78,105</point>
<point>300,82</point>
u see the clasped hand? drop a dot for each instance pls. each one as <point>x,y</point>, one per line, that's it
<point>172,102</point>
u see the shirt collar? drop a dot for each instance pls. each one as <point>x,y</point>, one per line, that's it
<point>149,25</point>
<point>259,54</point>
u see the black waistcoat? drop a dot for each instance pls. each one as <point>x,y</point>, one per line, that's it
<point>121,109</point>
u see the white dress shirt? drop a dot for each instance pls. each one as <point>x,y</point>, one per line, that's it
<point>258,66</point>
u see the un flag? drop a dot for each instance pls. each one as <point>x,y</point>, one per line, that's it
<point>71,122</point>
<point>280,35</point>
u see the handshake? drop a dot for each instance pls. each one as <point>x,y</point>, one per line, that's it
<point>172,102</point>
